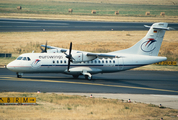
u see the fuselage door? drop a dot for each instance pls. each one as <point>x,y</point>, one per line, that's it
<point>121,63</point>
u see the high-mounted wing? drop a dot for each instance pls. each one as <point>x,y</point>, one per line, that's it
<point>102,55</point>
<point>51,47</point>
<point>92,55</point>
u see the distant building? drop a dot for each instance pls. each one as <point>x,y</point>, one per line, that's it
<point>5,54</point>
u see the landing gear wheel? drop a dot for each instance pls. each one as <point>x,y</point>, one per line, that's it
<point>75,76</point>
<point>19,76</point>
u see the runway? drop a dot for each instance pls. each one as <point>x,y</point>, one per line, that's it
<point>24,25</point>
<point>127,82</point>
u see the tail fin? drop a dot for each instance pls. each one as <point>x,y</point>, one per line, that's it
<point>151,43</point>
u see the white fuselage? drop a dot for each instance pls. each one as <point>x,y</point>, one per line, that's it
<point>57,63</point>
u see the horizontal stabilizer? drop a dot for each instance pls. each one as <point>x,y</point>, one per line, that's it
<point>160,28</point>
<point>147,26</point>
<point>163,28</point>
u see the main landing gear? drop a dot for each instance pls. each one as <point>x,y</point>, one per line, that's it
<point>88,77</point>
<point>19,75</point>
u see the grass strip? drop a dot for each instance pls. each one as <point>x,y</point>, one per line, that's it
<point>61,106</point>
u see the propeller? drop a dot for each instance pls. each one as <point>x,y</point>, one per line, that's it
<point>44,50</point>
<point>69,56</point>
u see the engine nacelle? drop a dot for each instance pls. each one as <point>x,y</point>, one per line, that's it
<point>82,57</point>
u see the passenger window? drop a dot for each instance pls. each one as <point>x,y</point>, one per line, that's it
<point>53,61</point>
<point>28,59</point>
<point>91,61</point>
<point>102,61</point>
<point>64,61</point>
<point>106,61</point>
<point>24,58</point>
<point>113,61</point>
<point>95,61</point>
<point>61,61</point>
<point>110,61</point>
<point>88,62</point>
<point>99,61</point>
<point>19,58</point>
<point>57,61</point>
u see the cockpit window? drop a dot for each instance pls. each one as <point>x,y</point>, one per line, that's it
<point>19,58</point>
<point>28,59</point>
<point>24,58</point>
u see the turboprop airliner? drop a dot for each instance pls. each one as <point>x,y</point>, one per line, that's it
<point>75,63</point>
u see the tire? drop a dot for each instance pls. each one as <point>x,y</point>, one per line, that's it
<point>19,76</point>
<point>86,77</point>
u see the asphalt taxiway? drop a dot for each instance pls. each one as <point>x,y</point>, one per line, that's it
<point>130,82</point>
<point>156,87</point>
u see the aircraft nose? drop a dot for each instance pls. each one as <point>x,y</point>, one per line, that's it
<point>10,66</point>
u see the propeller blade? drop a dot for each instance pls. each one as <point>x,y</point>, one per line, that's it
<point>44,50</point>
<point>68,65</point>
<point>69,57</point>
<point>45,47</point>
<point>70,48</point>
<point>41,49</point>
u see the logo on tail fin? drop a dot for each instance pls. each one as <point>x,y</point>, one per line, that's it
<point>148,45</point>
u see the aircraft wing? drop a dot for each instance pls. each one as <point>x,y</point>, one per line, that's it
<point>88,54</point>
<point>102,55</point>
<point>51,47</point>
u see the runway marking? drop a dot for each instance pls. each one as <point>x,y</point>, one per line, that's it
<point>97,84</point>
